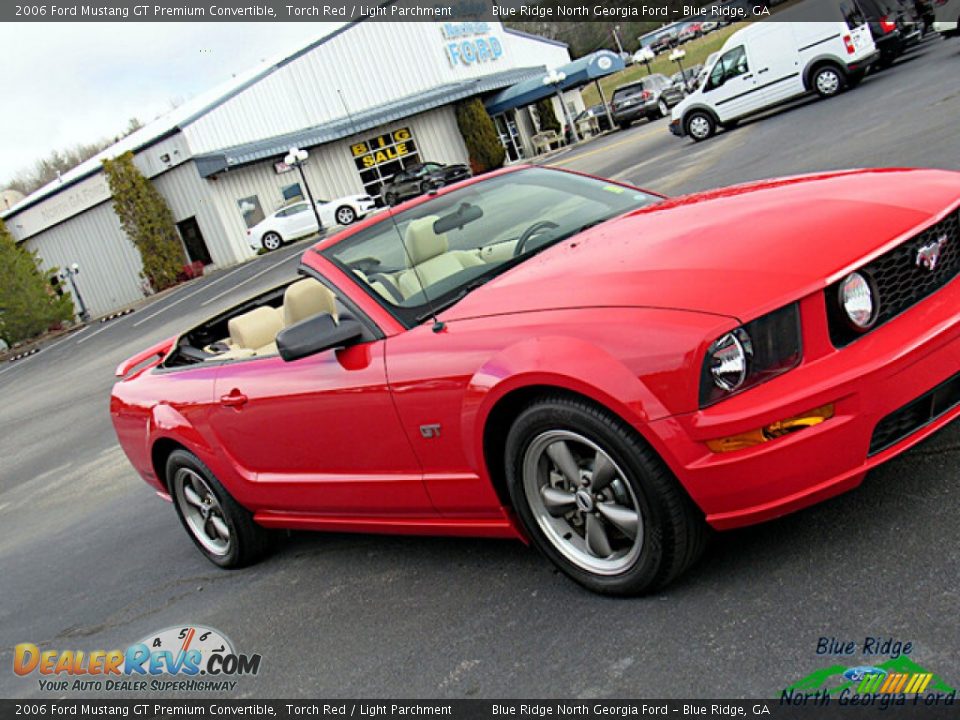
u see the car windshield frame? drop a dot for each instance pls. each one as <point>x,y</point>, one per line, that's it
<point>433,299</point>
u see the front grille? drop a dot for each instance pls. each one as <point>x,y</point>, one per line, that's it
<point>917,414</point>
<point>899,281</point>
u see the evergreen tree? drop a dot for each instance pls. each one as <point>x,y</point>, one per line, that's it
<point>480,136</point>
<point>548,118</point>
<point>147,221</point>
<point>28,304</point>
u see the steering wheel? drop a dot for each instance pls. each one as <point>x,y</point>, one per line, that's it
<point>530,232</point>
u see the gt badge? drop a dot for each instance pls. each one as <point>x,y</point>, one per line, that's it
<point>929,255</point>
<point>430,431</point>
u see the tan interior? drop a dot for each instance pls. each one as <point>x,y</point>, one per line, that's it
<point>254,333</point>
<point>430,257</point>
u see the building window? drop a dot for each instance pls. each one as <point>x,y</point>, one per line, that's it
<point>291,193</point>
<point>251,210</point>
<point>379,158</point>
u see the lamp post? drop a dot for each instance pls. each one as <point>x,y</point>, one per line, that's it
<point>616,38</point>
<point>677,56</point>
<point>68,274</point>
<point>646,56</point>
<point>296,158</point>
<point>553,79</point>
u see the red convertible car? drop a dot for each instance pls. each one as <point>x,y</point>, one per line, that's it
<point>570,361</point>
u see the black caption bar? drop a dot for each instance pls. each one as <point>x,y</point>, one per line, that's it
<point>467,709</point>
<point>606,11</point>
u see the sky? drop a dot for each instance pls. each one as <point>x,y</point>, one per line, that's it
<point>67,83</point>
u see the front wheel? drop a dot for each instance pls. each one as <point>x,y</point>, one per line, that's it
<point>597,501</point>
<point>700,126</point>
<point>346,215</point>
<point>220,528</point>
<point>390,199</point>
<point>663,108</point>
<point>272,241</point>
<point>828,81</point>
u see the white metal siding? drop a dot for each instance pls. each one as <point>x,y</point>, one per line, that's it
<point>109,263</point>
<point>330,171</point>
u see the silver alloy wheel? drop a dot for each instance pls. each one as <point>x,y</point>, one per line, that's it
<point>202,511</point>
<point>828,82</point>
<point>700,127</point>
<point>272,241</point>
<point>582,502</point>
<point>664,109</point>
<point>346,215</point>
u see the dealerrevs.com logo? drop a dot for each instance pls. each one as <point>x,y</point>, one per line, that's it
<point>190,658</point>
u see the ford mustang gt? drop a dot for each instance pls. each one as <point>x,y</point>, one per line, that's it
<point>595,369</point>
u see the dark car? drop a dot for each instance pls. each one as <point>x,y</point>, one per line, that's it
<point>664,42</point>
<point>598,112</point>
<point>640,99</point>
<point>421,178</point>
<point>680,85</point>
<point>892,28</point>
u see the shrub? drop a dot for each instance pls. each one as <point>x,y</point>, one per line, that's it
<point>548,118</point>
<point>480,136</point>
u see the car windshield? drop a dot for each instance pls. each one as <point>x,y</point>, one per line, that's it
<point>431,256</point>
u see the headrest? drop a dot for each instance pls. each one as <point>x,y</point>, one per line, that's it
<point>256,328</point>
<point>422,242</point>
<point>306,298</point>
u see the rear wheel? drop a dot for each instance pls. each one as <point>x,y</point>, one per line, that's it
<point>624,124</point>
<point>272,241</point>
<point>597,501</point>
<point>828,81</point>
<point>390,199</point>
<point>346,215</point>
<point>222,530</point>
<point>701,125</point>
<point>663,108</point>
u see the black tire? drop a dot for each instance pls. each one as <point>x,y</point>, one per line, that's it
<point>674,532</point>
<point>390,199</point>
<point>700,125</point>
<point>624,124</point>
<point>271,241</point>
<point>345,215</point>
<point>828,81</point>
<point>425,187</point>
<point>248,541</point>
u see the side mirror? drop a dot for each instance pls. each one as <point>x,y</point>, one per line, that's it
<point>316,334</point>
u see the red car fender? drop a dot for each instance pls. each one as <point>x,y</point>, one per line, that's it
<point>566,363</point>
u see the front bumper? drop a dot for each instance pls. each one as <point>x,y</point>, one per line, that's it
<point>867,381</point>
<point>676,128</point>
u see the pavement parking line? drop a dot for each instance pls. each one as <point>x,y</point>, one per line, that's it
<point>190,295</point>
<point>19,363</point>
<point>251,278</point>
<point>633,138</point>
<point>106,326</point>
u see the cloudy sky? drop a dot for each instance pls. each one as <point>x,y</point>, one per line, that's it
<point>64,83</point>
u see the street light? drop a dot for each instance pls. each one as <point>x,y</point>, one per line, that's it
<point>553,79</point>
<point>646,56</point>
<point>677,56</point>
<point>296,158</point>
<point>68,274</point>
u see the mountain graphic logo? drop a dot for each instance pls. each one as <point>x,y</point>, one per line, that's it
<point>898,675</point>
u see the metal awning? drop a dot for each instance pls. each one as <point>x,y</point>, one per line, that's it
<point>578,73</point>
<point>212,163</point>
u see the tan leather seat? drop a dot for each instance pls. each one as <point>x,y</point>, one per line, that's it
<point>430,257</point>
<point>253,333</point>
<point>306,298</point>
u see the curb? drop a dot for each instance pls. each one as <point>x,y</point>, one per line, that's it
<point>28,353</point>
<point>112,316</point>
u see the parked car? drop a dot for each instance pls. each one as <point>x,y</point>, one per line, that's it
<point>947,18</point>
<point>708,27</point>
<point>766,64</point>
<point>663,42</point>
<point>573,361</point>
<point>421,178</point>
<point>297,220</point>
<point>640,99</point>
<point>597,112</point>
<point>890,27</point>
<point>681,83</point>
<point>688,33</point>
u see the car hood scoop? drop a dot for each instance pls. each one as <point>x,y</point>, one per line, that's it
<point>739,252</point>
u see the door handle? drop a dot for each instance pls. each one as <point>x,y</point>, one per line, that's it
<point>762,71</point>
<point>235,399</point>
<point>747,77</point>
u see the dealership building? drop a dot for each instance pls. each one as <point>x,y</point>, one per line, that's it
<point>365,101</point>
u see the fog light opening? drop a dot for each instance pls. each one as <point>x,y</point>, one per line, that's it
<point>772,431</point>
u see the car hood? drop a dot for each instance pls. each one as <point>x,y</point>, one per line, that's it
<point>740,251</point>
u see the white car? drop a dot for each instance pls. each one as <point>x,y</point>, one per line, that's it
<point>947,18</point>
<point>297,220</point>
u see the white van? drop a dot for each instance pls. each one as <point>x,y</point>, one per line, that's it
<point>947,18</point>
<point>771,62</point>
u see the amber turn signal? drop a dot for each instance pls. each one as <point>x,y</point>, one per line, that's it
<point>771,431</point>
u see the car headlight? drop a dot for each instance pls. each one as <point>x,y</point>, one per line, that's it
<point>751,354</point>
<point>859,302</point>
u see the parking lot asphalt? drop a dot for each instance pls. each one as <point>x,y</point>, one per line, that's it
<point>91,559</point>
